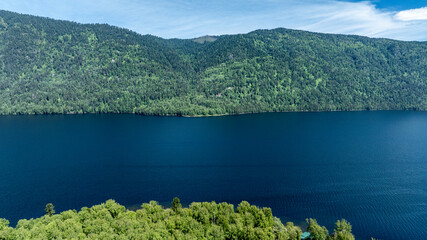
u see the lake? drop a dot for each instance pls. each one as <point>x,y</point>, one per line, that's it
<point>367,167</point>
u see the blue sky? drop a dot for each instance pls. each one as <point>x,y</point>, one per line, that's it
<point>396,19</point>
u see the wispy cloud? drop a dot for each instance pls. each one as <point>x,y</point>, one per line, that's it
<point>412,14</point>
<point>193,18</point>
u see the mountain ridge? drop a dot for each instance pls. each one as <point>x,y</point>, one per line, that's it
<point>52,66</point>
<point>2,11</point>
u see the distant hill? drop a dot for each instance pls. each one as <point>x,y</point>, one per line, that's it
<point>49,66</point>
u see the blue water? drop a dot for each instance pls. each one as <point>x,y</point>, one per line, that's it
<point>367,167</point>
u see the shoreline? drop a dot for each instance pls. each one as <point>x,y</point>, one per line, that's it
<point>219,115</point>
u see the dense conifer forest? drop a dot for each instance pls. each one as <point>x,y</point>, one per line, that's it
<point>50,66</point>
<point>206,220</point>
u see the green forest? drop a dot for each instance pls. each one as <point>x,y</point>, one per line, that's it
<point>201,220</point>
<point>58,67</point>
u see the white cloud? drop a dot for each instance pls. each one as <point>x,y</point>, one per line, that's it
<point>412,14</point>
<point>361,18</point>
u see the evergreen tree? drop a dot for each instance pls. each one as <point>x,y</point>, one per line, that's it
<point>49,209</point>
<point>176,204</point>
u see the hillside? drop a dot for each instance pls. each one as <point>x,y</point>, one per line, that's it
<point>199,221</point>
<point>49,66</point>
<point>205,39</point>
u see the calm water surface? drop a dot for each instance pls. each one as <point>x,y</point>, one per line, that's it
<point>367,167</point>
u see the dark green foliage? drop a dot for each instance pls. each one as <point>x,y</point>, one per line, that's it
<point>176,204</point>
<point>49,209</point>
<point>49,66</point>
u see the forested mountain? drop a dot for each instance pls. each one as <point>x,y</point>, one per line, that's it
<point>50,66</point>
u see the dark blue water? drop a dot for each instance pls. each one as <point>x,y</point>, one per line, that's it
<point>367,167</point>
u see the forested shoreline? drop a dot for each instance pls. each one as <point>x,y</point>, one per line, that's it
<point>58,67</point>
<point>201,220</point>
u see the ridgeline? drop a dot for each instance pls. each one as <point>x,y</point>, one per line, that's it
<point>199,221</point>
<point>58,67</point>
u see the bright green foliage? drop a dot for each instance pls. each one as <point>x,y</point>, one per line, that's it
<point>201,220</point>
<point>343,230</point>
<point>112,221</point>
<point>49,66</point>
<point>5,230</point>
<point>317,232</point>
<point>286,232</point>
<point>49,209</point>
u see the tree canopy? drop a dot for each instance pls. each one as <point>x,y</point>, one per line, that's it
<point>49,209</point>
<point>49,66</point>
<point>201,220</point>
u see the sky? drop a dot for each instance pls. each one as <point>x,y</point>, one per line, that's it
<point>395,19</point>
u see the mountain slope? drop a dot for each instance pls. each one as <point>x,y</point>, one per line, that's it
<point>51,66</point>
